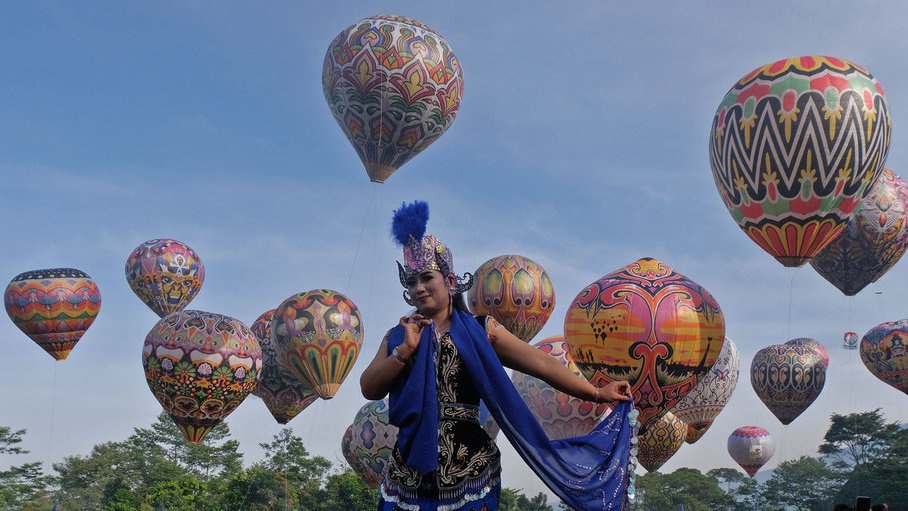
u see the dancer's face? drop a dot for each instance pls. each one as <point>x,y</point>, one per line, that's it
<point>430,292</point>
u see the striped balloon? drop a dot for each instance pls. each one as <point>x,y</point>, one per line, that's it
<point>53,307</point>
<point>794,146</point>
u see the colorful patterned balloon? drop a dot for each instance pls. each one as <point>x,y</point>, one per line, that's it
<point>751,447</point>
<point>283,395</point>
<point>814,345</point>
<point>850,340</point>
<point>700,407</point>
<point>649,325</point>
<point>394,86</point>
<point>883,351</point>
<point>165,274</point>
<point>793,148</point>
<point>560,415</point>
<point>873,240</point>
<point>660,441</point>
<point>516,291</point>
<point>318,335</point>
<point>787,378</point>
<point>370,443</point>
<point>53,307</point>
<point>200,366</point>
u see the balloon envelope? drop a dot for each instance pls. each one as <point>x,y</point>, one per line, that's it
<point>649,325</point>
<point>751,447</point>
<point>200,366</point>
<point>700,407</point>
<point>850,340</point>
<point>794,146</point>
<point>283,395</point>
<point>883,351</point>
<point>814,345</point>
<point>516,291</point>
<point>371,442</point>
<point>394,86</point>
<point>873,240</point>
<point>787,378</point>
<point>318,335</point>
<point>166,274</point>
<point>660,441</point>
<point>53,307</point>
<point>561,415</point>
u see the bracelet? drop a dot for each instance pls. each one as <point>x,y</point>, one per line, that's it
<point>396,354</point>
<point>596,394</point>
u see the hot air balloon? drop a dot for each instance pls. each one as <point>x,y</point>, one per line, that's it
<point>200,366</point>
<point>787,378</point>
<point>814,345</point>
<point>751,447</point>
<point>794,146</point>
<point>318,335</point>
<point>700,407</point>
<point>660,441</point>
<point>370,443</point>
<point>165,274</point>
<point>850,340</point>
<point>516,291</point>
<point>53,307</point>
<point>561,415</point>
<point>394,86</point>
<point>873,240</point>
<point>649,325</point>
<point>283,395</point>
<point>883,351</point>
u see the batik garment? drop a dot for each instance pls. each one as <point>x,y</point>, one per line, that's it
<point>469,468</point>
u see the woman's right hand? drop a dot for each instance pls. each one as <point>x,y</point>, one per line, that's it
<point>413,327</point>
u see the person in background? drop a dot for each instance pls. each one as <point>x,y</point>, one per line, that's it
<point>437,364</point>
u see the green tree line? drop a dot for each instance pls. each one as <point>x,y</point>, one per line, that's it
<point>156,469</point>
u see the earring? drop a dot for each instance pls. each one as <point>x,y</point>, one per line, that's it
<point>408,299</point>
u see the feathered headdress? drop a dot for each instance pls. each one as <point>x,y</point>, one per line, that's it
<point>421,252</point>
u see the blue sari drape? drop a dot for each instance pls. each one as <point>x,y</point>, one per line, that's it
<point>589,472</point>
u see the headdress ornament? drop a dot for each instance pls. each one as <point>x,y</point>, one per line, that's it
<point>422,252</point>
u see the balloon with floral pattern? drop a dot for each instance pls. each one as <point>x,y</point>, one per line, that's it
<point>166,274</point>
<point>660,441</point>
<point>873,240</point>
<point>787,378</point>
<point>794,146</point>
<point>53,307</point>
<point>200,366</point>
<point>394,87</point>
<point>700,407</point>
<point>370,442</point>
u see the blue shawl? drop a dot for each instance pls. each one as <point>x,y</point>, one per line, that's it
<point>590,472</point>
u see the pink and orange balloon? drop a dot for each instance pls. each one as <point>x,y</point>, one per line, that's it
<point>649,325</point>
<point>53,307</point>
<point>516,291</point>
<point>200,366</point>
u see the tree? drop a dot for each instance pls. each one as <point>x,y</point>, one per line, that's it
<point>515,500</point>
<point>287,457</point>
<point>347,491</point>
<point>806,483</point>
<point>686,487</point>
<point>853,440</point>
<point>9,440</point>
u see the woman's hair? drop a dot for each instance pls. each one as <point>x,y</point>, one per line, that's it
<point>459,302</point>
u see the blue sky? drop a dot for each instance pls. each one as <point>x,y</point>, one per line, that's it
<point>581,143</point>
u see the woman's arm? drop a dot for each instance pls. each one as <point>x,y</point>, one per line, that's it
<point>518,355</point>
<point>379,377</point>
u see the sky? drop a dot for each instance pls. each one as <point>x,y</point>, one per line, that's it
<point>581,143</point>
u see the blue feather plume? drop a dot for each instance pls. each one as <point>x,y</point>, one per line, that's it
<point>410,222</point>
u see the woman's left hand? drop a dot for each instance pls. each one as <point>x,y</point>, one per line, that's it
<point>616,391</point>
